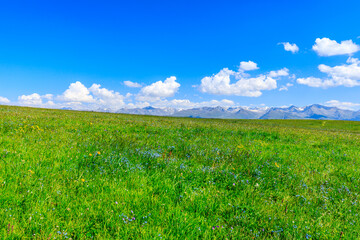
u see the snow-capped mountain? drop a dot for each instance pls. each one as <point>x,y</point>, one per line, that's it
<point>314,111</point>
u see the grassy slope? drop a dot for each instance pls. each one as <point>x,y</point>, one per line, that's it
<point>77,175</point>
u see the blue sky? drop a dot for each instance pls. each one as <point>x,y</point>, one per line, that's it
<point>86,54</point>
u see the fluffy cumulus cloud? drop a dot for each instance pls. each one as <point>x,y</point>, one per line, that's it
<point>78,97</point>
<point>312,82</point>
<point>48,96</point>
<point>4,100</point>
<point>181,104</point>
<point>290,47</point>
<point>279,73</point>
<point>36,100</point>
<point>228,82</point>
<point>286,87</point>
<point>248,66</point>
<point>97,98</point>
<point>186,103</point>
<point>347,75</point>
<point>106,98</point>
<point>33,99</point>
<point>343,105</point>
<point>132,84</point>
<point>159,90</point>
<point>78,93</point>
<point>327,47</point>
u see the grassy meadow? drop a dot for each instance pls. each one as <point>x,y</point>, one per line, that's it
<point>87,175</point>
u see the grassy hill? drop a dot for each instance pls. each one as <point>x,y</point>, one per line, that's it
<point>82,175</point>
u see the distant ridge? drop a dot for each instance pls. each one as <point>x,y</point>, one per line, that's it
<point>314,111</point>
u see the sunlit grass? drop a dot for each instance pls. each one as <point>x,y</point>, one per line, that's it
<point>80,175</point>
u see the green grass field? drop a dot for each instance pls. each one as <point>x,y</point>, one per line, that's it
<point>83,175</point>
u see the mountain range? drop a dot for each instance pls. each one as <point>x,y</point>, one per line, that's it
<point>314,111</point>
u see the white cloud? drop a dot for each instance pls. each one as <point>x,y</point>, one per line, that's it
<point>107,98</point>
<point>74,106</point>
<point>159,90</point>
<point>352,60</point>
<point>343,105</point>
<point>286,87</point>
<point>181,103</point>
<point>220,83</point>
<point>77,92</point>
<point>343,72</point>
<point>186,103</point>
<point>33,99</point>
<point>215,103</point>
<point>279,73</point>
<point>132,84</point>
<point>347,75</point>
<point>311,82</point>
<point>248,66</point>
<point>290,47</point>
<point>78,97</point>
<point>327,47</point>
<point>138,105</point>
<point>37,100</point>
<point>48,96</point>
<point>4,100</point>
<point>50,103</point>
